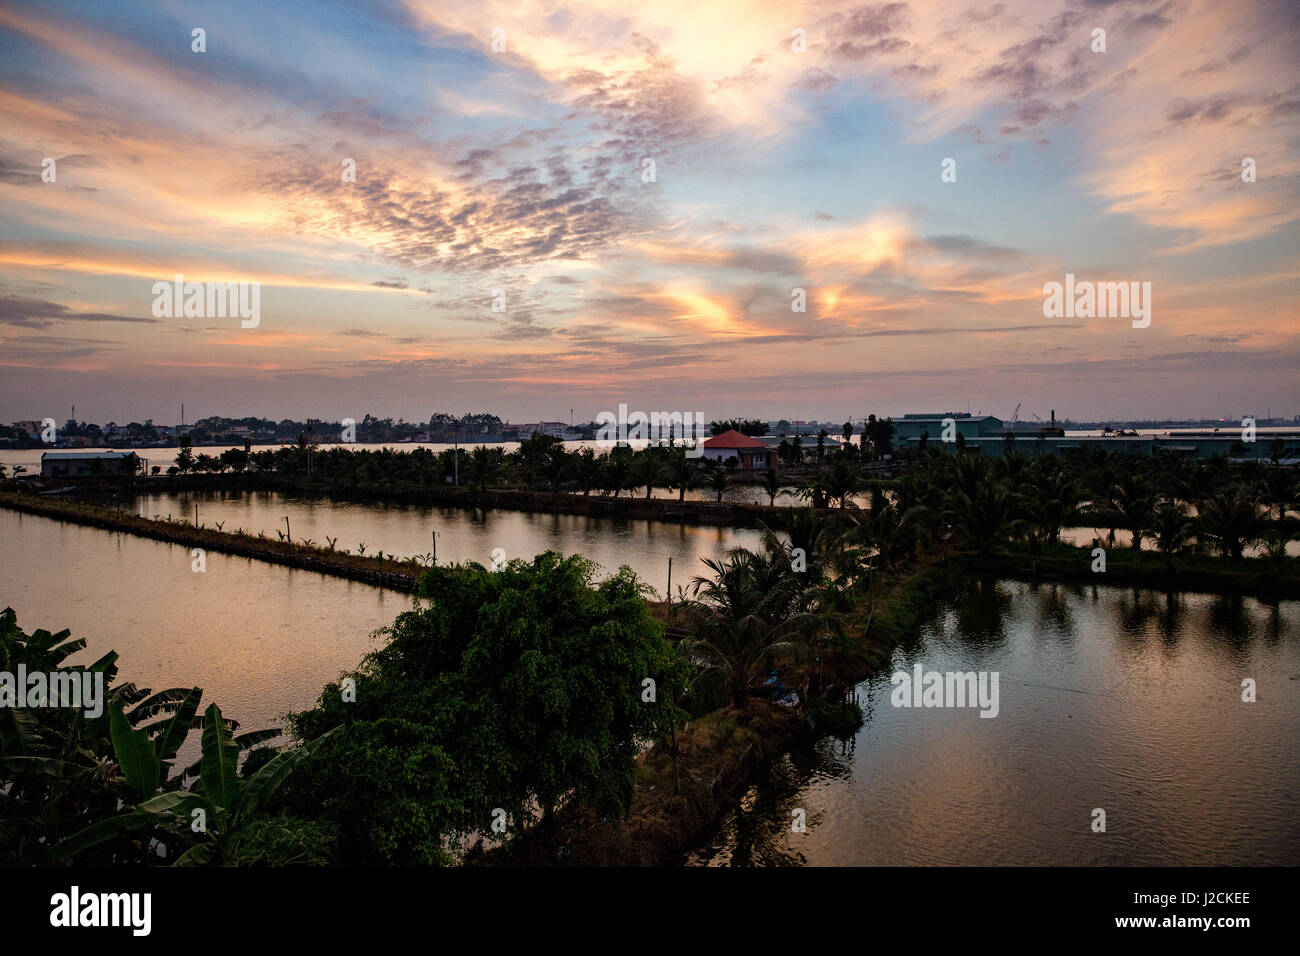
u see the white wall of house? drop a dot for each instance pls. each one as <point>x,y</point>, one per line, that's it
<point>721,455</point>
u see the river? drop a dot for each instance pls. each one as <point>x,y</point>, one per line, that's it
<point>1123,700</point>
<point>263,639</point>
<point>1113,698</point>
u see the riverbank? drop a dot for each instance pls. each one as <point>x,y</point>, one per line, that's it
<point>719,752</point>
<point>712,513</point>
<point>399,576</point>
<point>1260,577</point>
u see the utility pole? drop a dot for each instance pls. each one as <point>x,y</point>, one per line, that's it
<point>435,547</point>
<point>670,579</point>
<point>287,535</point>
<point>455,453</point>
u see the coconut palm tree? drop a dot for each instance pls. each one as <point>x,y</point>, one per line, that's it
<point>842,480</point>
<point>585,469</point>
<point>804,531</point>
<point>1171,530</point>
<point>1232,520</point>
<point>647,469</point>
<point>485,466</point>
<point>719,478</point>
<point>1131,499</point>
<point>617,469</point>
<point>742,624</point>
<point>772,485</point>
<point>683,474</point>
<point>1050,498</point>
<point>987,515</point>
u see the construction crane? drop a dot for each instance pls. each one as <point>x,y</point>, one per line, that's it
<point>1015,416</point>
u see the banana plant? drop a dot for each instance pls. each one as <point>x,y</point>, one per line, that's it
<point>219,805</point>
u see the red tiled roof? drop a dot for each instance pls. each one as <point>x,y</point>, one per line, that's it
<point>733,439</point>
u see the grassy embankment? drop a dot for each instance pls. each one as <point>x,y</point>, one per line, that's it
<point>1270,578</point>
<point>719,751</point>
<point>664,507</point>
<point>382,572</point>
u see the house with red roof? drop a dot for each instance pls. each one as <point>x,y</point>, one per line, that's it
<point>750,453</point>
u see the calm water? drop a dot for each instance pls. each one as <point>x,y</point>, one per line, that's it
<point>1113,698</point>
<point>260,639</point>
<point>1125,700</point>
<point>30,459</point>
<point>463,535</point>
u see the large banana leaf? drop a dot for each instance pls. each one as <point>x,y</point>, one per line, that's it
<point>272,774</point>
<point>135,754</point>
<point>162,702</point>
<point>198,855</point>
<point>50,767</point>
<point>58,654</point>
<point>217,767</point>
<point>19,731</point>
<point>178,802</point>
<point>179,725</point>
<point>254,737</point>
<point>97,833</point>
<point>104,663</point>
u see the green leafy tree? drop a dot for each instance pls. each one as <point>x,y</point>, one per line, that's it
<point>185,457</point>
<point>520,689</point>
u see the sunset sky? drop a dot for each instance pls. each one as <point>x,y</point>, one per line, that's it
<point>521,170</point>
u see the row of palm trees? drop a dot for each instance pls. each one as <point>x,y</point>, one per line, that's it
<point>811,583</point>
<point>540,463</point>
<point>1177,504</point>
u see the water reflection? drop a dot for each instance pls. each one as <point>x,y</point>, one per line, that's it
<point>1113,697</point>
<point>462,534</point>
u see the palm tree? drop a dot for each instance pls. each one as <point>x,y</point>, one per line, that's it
<point>772,485</point>
<point>647,469</point>
<point>743,623</point>
<point>617,469</point>
<point>1051,499</point>
<point>1279,487</point>
<point>897,532</point>
<point>814,489</point>
<point>718,480</point>
<point>485,466</point>
<point>683,474</point>
<point>585,468</point>
<point>1233,521</point>
<point>1130,498</point>
<point>1170,530</point>
<point>842,480</point>
<point>806,531</point>
<point>987,515</point>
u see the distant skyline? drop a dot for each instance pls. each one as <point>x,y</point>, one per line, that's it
<point>523,170</point>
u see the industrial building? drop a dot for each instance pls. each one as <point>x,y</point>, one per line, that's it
<point>991,437</point>
<point>87,464</point>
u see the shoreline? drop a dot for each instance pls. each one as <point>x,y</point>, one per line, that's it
<point>392,575</point>
<point>713,513</point>
<point>720,751</point>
